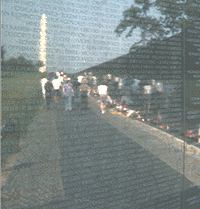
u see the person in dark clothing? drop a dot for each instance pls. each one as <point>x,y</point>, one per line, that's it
<point>76,85</point>
<point>116,83</point>
<point>49,92</point>
<point>84,89</point>
<point>110,90</point>
<point>90,82</point>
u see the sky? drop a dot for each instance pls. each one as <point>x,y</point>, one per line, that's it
<point>80,33</point>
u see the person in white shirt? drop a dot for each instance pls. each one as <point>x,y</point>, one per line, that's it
<point>159,97</point>
<point>60,78</point>
<point>80,78</point>
<point>56,87</point>
<point>147,96</point>
<point>43,82</point>
<point>102,90</point>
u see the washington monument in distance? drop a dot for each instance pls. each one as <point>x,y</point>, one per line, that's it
<point>43,44</point>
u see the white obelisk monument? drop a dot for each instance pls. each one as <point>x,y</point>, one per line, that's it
<point>43,43</point>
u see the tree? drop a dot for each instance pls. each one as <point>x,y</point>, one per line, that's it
<point>178,14</point>
<point>139,17</point>
<point>172,16</point>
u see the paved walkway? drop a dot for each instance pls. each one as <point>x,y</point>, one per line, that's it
<point>33,174</point>
<point>83,159</point>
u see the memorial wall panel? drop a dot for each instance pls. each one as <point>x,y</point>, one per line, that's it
<point>143,150</point>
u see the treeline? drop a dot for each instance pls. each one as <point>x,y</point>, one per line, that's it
<point>20,64</point>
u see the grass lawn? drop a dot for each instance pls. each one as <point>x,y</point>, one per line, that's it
<point>21,98</point>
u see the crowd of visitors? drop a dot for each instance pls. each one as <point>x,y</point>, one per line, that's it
<point>58,88</point>
<point>148,100</point>
<point>147,96</point>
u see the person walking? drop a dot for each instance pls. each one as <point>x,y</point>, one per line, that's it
<point>48,93</point>
<point>67,93</point>
<point>94,86</point>
<point>56,85</point>
<point>160,98</point>
<point>76,85</point>
<point>147,97</point>
<point>43,82</point>
<point>84,89</point>
<point>102,90</point>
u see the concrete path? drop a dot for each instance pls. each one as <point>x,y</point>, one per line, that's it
<point>33,174</point>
